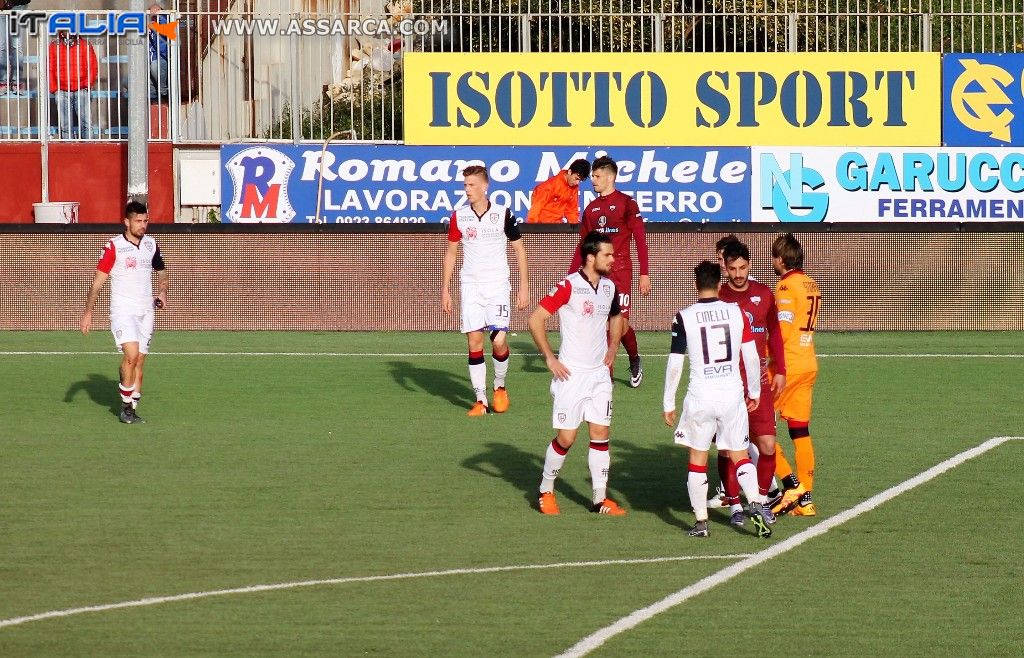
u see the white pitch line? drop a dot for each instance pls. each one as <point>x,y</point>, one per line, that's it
<point>595,640</point>
<point>448,354</point>
<point>253,589</point>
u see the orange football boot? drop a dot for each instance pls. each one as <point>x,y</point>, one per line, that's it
<point>478,409</point>
<point>548,504</point>
<point>608,506</point>
<point>500,401</point>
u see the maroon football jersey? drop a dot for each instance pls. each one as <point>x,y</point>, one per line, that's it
<point>758,303</point>
<point>617,216</point>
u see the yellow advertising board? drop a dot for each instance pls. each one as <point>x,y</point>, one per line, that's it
<point>673,99</point>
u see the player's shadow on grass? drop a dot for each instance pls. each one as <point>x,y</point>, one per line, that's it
<point>653,479</point>
<point>521,469</point>
<point>441,383</point>
<point>532,362</point>
<point>101,389</point>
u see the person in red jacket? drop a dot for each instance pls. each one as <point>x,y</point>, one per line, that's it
<point>557,200</point>
<point>73,70</point>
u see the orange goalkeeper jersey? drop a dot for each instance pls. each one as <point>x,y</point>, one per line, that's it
<point>798,300</point>
<point>554,199</point>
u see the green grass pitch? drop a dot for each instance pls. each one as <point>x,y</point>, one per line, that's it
<point>284,468</point>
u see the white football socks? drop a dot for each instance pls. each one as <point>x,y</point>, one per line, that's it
<point>600,460</point>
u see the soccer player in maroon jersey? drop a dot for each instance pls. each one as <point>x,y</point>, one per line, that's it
<point>757,301</point>
<point>617,215</point>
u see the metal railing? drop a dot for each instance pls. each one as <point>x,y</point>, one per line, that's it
<point>72,89</point>
<point>236,73</point>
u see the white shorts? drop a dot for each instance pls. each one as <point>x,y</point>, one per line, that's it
<point>704,418</point>
<point>586,395</point>
<point>133,328</point>
<point>486,306</point>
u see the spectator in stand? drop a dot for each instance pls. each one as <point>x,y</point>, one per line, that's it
<point>10,49</point>
<point>73,71</point>
<point>158,54</point>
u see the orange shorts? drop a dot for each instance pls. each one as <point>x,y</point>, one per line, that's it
<point>795,401</point>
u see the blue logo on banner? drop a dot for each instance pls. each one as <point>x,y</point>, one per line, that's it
<point>983,100</point>
<point>790,192</point>
<point>395,184</point>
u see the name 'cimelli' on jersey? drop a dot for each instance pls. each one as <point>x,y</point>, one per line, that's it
<point>717,335</point>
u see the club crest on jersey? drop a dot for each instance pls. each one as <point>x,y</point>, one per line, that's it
<point>612,207</point>
<point>471,233</point>
<point>149,246</point>
<point>494,218</point>
<point>561,418</point>
<point>131,262</point>
<point>588,308</point>
<point>605,289</point>
<point>756,299</point>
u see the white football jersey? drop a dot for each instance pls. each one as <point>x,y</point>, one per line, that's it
<point>583,312</point>
<point>131,269</point>
<point>717,335</point>
<point>484,241</point>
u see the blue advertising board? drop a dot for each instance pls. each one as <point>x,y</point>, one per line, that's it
<point>397,184</point>
<point>983,100</point>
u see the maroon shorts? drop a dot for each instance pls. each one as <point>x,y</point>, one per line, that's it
<point>623,286</point>
<point>762,419</point>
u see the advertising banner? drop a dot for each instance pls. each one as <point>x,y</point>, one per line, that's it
<point>887,185</point>
<point>394,184</point>
<point>983,100</point>
<point>673,99</point>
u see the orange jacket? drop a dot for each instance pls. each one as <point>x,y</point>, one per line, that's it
<point>554,199</point>
<point>72,67</point>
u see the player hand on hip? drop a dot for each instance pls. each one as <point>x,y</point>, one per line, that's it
<point>752,404</point>
<point>778,383</point>
<point>645,285</point>
<point>557,368</point>
<point>670,418</point>
<point>446,301</point>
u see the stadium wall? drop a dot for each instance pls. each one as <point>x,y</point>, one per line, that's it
<point>330,278</point>
<point>93,174</point>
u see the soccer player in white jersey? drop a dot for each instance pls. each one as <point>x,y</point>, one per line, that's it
<point>591,326</point>
<point>716,334</point>
<point>129,261</point>
<point>484,230</point>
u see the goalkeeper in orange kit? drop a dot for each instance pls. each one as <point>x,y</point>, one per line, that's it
<point>798,300</point>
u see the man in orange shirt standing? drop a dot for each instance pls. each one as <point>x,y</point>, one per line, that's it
<point>557,200</point>
<point>798,300</point>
